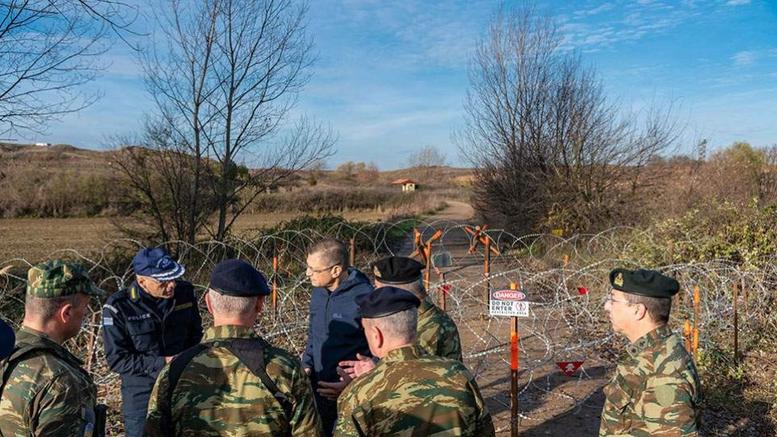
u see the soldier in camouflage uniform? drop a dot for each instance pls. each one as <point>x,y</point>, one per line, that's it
<point>47,393</point>
<point>409,392</point>
<point>655,389</point>
<point>436,332</point>
<point>234,383</point>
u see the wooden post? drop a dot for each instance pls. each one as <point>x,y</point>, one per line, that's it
<point>696,313</point>
<point>687,336</point>
<point>513,372</point>
<point>736,323</point>
<point>352,251</point>
<point>428,270</point>
<point>275,285</point>
<point>487,271</point>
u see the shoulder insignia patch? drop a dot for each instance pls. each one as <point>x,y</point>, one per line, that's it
<point>618,280</point>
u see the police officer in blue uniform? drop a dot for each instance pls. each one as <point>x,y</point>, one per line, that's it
<point>145,325</point>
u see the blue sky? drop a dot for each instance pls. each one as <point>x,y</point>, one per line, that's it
<point>391,76</point>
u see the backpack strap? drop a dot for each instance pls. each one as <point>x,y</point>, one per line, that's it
<point>18,354</point>
<point>250,352</point>
<point>177,367</point>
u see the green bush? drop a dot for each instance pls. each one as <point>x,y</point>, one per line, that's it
<point>746,236</point>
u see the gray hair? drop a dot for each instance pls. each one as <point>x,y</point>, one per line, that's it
<point>46,308</point>
<point>401,325</point>
<point>231,305</point>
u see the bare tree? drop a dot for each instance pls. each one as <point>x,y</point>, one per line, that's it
<point>48,50</point>
<point>168,197</point>
<point>224,80</point>
<point>549,149</point>
<point>428,156</point>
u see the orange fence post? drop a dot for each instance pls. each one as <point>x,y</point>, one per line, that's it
<point>514,361</point>
<point>696,314</point>
<point>352,251</point>
<point>275,285</point>
<point>687,336</point>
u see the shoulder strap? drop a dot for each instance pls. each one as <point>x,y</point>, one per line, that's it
<point>250,352</point>
<point>177,366</point>
<point>18,354</point>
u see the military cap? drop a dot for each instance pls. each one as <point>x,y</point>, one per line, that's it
<point>155,262</point>
<point>7,339</point>
<point>644,282</point>
<point>385,301</point>
<point>234,277</point>
<point>59,278</point>
<point>397,270</point>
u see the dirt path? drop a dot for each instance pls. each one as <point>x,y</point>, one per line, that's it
<point>456,211</point>
<point>550,403</point>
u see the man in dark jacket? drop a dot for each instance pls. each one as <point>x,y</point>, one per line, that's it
<point>334,332</point>
<point>145,325</point>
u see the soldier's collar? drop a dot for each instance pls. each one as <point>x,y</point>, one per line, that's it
<point>425,306</point>
<point>404,353</point>
<point>648,340</point>
<point>229,331</point>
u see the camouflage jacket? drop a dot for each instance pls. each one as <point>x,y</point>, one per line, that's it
<point>412,393</point>
<point>655,390</point>
<point>48,393</point>
<point>437,334</point>
<point>218,395</point>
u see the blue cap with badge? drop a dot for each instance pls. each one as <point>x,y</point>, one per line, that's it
<point>157,263</point>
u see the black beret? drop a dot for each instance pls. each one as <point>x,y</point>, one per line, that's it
<point>397,270</point>
<point>385,301</point>
<point>234,277</point>
<point>644,282</point>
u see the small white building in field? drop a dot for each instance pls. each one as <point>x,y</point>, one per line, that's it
<point>43,144</point>
<point>408,185</point>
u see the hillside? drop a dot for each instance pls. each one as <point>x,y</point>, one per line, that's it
<point>64,181</point>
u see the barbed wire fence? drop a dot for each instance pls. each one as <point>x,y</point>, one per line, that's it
<point>566,279</point>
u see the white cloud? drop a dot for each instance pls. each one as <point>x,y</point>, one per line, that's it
<point>745,57</point>
<point>737,2</point>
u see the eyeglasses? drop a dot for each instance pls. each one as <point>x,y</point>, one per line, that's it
<point>611,299</point>
<point>310,269</point>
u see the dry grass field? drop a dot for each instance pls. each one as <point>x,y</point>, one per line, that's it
<point>33,239</point>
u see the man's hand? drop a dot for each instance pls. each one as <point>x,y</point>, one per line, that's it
<point>168,359</point>
<point>331,390</point>
<point>357,367</point>
<point>307,371</point>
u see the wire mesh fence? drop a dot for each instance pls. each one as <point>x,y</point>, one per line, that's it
<point>565,279</point>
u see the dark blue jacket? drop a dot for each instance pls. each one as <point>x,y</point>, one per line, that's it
<point>139,330</point>
<point>334,331</point>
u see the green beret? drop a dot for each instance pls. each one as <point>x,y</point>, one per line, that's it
<point>644,282</point>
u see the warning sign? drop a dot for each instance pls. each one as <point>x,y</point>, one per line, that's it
<point>511,303</point>
<point>569,367</point>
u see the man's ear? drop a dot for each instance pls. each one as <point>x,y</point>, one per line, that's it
<point>641,311</point>
<point>379,338</point>
<point>207,301</point>
<point>337,271</point>
<point>65,312</point>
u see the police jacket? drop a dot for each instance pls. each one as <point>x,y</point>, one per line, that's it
<point>334,331</point>
<point>139,330</point>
